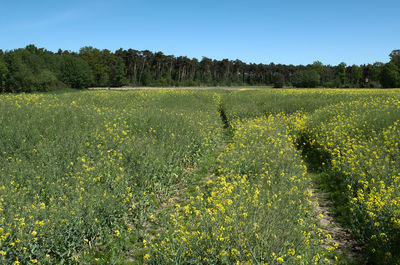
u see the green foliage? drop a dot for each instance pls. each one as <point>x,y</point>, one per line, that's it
<point>107,68</point>
<point>390,75</point>
<point>341,74</point>
<point>75,72</point>
<point>306,78</point>
<point>318,67</point>
<point>93,177</point>
<point>255,210</point>
<point>32,69</point>
<point>3,74</point>
<point>360,143</point>
<point>20,77</point>
<point>96,61</point>
<point>355,75</point>
<point>146,79</point>
<point>395,57</point>
<point>117,72</point>
<point>278,80</point>
<point>47,81</point>
<point>166,81</point>
<point>74,166</point>
<point>252,103</point>
<point>350,137</point>
<point>145,68</point>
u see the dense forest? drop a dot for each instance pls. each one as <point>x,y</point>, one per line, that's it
<point>37,69</point>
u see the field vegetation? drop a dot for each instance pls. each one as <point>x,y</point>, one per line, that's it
<point>197,177</point>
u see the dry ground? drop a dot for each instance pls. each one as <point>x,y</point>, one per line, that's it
<point>347,246</point>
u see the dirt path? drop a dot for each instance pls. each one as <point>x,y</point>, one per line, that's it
<point>347,246</point>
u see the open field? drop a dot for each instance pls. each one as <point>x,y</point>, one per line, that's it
<point>177,88</point>
<point>183,176</point>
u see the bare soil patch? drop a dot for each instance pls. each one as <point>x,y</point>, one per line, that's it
<point>347,246</point>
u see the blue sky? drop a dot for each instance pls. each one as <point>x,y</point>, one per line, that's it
<point>280,31</point>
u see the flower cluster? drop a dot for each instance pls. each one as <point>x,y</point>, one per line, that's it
<point>74,165</point>
<point>361,139</point>
<point>257,208</point>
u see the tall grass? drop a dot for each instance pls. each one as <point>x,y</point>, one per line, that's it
<point>361,140</point>
<point>73,165</point>
<point>256,103</point>
<point>78,170</point>
<point>257,208</point>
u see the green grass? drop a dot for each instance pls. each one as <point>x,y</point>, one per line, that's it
<point>92,177</point>
<point>360,140</point>
<point>73,165</point>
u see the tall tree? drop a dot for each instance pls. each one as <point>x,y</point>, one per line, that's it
<point>278,80</point>
<point>117,74</point>
<point>390,75</point>
<point>3,74</point>
<point>318,67</point>
<point>341,74</point>
<point>98,65</point>
<point>354,75</point>
<point>306,78</point>
<point>32,69</point>
<point>395,57</point>
<point>75,72</point>
<point>20,77</point>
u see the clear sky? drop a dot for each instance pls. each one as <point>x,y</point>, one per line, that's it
<point>279,31</point>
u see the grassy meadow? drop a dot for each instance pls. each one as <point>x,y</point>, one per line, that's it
<point>197,177</point>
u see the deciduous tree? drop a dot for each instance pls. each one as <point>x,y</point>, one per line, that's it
<point>390,75</point>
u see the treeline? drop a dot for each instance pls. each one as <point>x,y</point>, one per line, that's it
<point>37,69</point>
